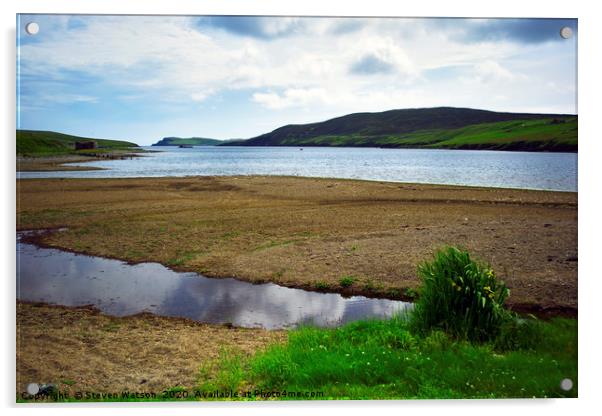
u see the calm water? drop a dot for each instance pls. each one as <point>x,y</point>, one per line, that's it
<point>116,288</point>
<point>529,170</point>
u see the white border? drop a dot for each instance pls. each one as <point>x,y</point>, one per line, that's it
<point>589,172</point>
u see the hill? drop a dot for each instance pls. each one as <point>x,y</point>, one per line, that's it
<point>193,141</point>
<point>47,143</point>
<point>441,127</point>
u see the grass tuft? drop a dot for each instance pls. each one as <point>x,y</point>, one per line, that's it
<point>347,281</point>
<point>460,296</point>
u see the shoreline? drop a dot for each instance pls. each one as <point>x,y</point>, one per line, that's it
<point>253,195</point>
<point>37,239</point>
<point>57,163</point>
<point>54,163</point>
<point>568,150</point>
<point>492,149</point>
<point>381,181</point>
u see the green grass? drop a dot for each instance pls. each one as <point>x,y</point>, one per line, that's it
<point>386,360</point>
<point>537,134</point>
<point>505,133</point>
<point>228,372</point>
<point>347,281</point>
<point>49,143</point>
<point>321,285</point>
<point>410,293</point>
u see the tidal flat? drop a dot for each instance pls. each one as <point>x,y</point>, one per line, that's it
<point>346,236</point>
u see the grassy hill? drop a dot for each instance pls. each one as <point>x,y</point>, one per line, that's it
<point>193,141</point>
<point>48,143</point>
<point>443,127</point>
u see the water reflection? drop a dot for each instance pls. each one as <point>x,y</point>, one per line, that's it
<point>117,288</point>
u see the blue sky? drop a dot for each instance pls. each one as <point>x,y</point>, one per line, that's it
<point>145,77</point>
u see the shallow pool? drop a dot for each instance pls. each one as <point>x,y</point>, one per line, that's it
<point>117,288</point>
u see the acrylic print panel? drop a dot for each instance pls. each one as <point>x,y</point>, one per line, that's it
<point>295,208</point>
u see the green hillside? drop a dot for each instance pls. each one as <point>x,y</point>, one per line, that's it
<point>48,143</point>
<point>193,141</point>
<point>451,128</point>
<point>533,135</point>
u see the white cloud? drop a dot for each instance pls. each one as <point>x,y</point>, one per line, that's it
<point>171,53</point>
<point>293,97</point>
<point>201,95</point>
<point>311,68</point>
<point>68,98</point>
<point>491,71</point>
<point>387,51</point>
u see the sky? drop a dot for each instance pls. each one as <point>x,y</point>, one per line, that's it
<point>141,78</point>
